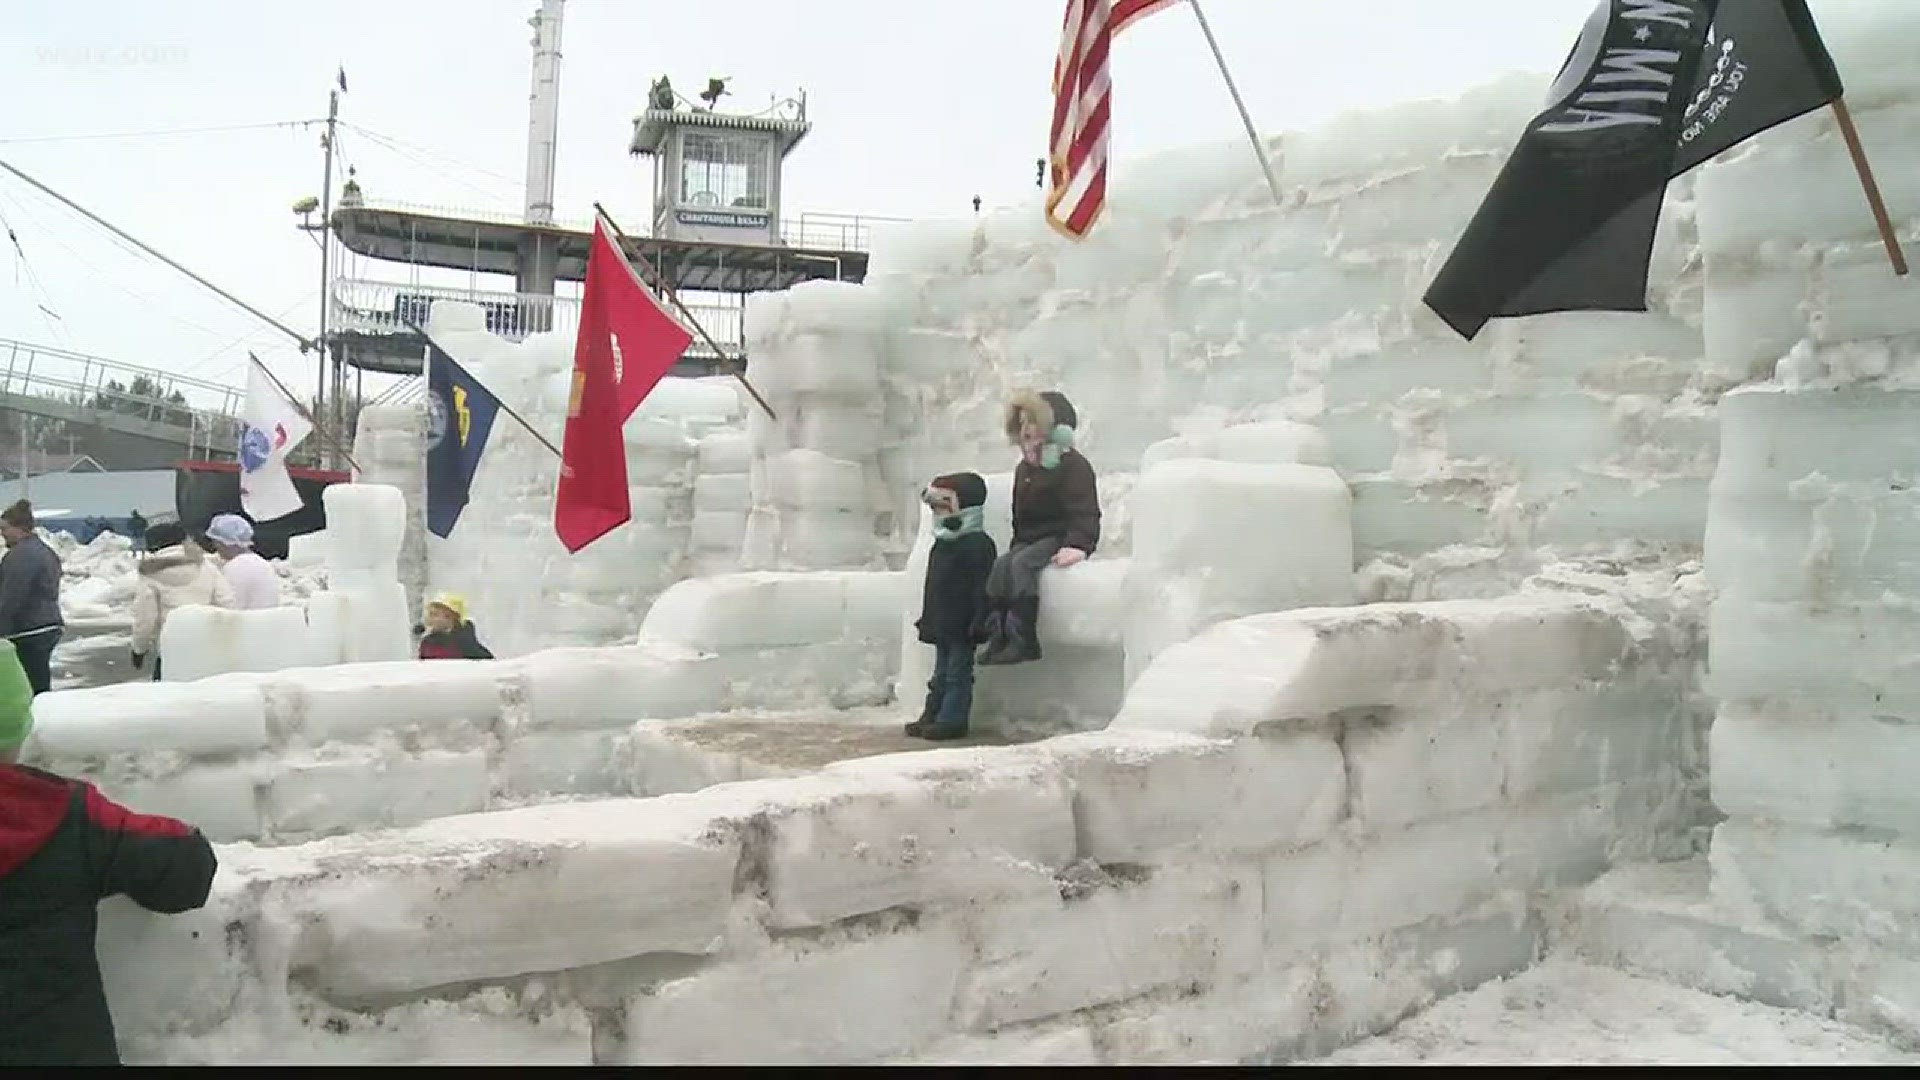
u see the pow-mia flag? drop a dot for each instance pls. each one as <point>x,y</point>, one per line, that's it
<point>1652,88</point>
<point>460,414</point>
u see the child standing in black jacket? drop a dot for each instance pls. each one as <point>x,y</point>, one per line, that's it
<point>954,607</point>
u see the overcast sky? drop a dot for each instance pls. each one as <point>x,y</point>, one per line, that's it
<point>917,106</point>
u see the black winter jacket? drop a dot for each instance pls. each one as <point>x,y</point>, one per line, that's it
<point>1060,502</point>
<point>953,608</point>
<point>64,847</point>
<point>29,588</point>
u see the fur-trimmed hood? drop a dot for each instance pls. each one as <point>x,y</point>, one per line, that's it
<point>1046,409</point>
<point>176,566</point>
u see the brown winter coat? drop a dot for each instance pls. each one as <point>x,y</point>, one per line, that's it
<point>1061,502</point>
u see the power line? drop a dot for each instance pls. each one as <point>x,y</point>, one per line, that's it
<point>423,156</point>
<point>101,276</point>
<point>159,133</point>
<point>242,339</point>
<point>229,297</point>
<point>56,326</point>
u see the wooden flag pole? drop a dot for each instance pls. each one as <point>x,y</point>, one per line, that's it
<point>332,444</point>
<point>1253,133</point>
<point>739,371</point>
<point>1872,187</point>
<point>504,407</point>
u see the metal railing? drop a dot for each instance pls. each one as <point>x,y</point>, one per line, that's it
<point>810,229</point>
<point>199,412</point>
<point>832,232</point>
<point>381,307</point>
<point>494,214</point>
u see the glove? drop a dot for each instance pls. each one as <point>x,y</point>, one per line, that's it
<point>139,661</point>
<point>1066,557</point>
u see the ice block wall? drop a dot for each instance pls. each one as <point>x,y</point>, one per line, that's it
<point>1814,520</point>
<point>1198,304</point>
<point>523,590</point>
<point>1265,858</point>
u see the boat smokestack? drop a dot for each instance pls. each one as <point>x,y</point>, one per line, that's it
<point>543,120</point>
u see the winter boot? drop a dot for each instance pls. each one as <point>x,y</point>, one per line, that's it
<point>929,713</point>
<point>1021,626</point>
<point>996,625</point>
<point>956,705</point>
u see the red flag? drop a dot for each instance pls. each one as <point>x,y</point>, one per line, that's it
<point>627,342</point>
<point>1078,150</point>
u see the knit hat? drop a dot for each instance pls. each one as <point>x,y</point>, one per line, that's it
<point>230,529</point>
<point>452,602</point>
<point>164,535</point>
<point>16,699</point>
<point>968,488</point>
<point>1063,412</point>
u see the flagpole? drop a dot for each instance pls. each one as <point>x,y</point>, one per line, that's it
<point>661,282</point>
<point>1253,134</point>
<point>332,444</point>
<point>504,407</point>
<point>1871,186</point>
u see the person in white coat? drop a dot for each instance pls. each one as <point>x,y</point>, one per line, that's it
<point>173,574</point>
<point>255,584</point>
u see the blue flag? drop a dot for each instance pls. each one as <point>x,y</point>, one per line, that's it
<point>460,416</point>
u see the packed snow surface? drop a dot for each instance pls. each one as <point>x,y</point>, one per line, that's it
<point>1565,1012</point>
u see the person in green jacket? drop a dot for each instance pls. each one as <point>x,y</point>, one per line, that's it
<point>16,704</point>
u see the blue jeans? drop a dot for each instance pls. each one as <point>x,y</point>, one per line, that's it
<point>950,691</point>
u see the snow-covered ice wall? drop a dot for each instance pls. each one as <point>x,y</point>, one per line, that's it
<point>281,756</point>
<point>1814,522</point>
<point>1277,865</point>
<point>1197,304</point>
<point>523,590</point>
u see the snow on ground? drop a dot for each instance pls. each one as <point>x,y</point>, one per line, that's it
<point>99,576</point>
<point>1565,1012</point>
<point>96,597</point>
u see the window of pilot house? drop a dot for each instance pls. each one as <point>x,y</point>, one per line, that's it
<point>724,171</point>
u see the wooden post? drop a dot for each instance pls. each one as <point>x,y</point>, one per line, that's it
<point>738,371</point>
<point>1872,187</point>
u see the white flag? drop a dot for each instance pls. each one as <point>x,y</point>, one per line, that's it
<point>272,428</point>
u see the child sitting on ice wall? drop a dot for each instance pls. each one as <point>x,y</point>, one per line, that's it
<point>449,634</point>
<point>953,607</point>
<point>1056,521</point>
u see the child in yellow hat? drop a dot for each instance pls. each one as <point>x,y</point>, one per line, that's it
<point>450,634</point>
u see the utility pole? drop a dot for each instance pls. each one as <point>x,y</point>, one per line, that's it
<point>326,246</point>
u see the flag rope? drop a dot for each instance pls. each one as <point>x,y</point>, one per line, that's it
<point>504,407</point>
<point>739,371</point>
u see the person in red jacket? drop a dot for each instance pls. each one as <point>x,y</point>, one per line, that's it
<point>64,847</point>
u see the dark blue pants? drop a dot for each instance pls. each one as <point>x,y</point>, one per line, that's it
<point>950,691</point>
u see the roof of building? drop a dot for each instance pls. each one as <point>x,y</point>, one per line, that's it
<point>651,128</point>
<point>98,494</point>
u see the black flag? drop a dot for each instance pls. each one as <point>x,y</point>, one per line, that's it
<point>1653,88</point>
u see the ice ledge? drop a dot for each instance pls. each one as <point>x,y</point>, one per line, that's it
<point>1294,668</point>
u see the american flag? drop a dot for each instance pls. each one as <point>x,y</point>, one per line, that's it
<point>1078,148</point>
